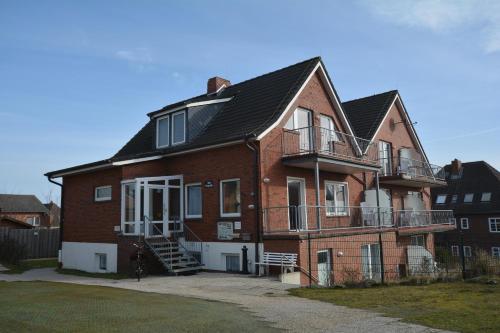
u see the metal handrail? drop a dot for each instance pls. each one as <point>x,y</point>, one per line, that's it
<point>164,238</point>
<point>183,228</point>
<point>415,168</point>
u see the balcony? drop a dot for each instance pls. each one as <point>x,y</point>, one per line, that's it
<point>411,172</point>
<point>289,220</point>
<point>333,151</point>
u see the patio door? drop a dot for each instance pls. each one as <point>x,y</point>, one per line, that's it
<point>324,267</point>
<point>301,121</point>
<point>162,205</point>
<point>297,209</point>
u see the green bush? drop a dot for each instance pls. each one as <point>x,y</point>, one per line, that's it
<point>11,252</point>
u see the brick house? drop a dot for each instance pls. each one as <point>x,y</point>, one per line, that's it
<point>260,164</point>
<point>473,193</point>
<point>19,211</point>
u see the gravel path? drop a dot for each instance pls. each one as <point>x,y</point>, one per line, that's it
<point>263,297</point>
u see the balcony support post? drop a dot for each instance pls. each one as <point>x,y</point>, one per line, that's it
<point>380,241</point>
<point>316,183</point>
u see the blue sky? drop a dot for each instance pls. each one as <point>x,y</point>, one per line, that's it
<point>77,78</point>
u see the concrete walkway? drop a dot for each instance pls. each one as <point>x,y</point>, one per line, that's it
<point>263,297</point>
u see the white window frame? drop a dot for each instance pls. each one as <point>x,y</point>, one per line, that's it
<point>158,131</point>
<point>99,256</point>
<point>417,237</point>
<point>453,221</point>
<point>488,194</point>
<point>440,196</point>
<point>467,251</point>
<point>186,193</point>
<point>172,128</point>
<point>33,220</point>
<point>464,223</point>
<point>455,251</point>
<point>495,252</point>
<point>472,198</point>
<point>221,197</point>
<point>103,198</point>
<point>346,206</point>
<point>496,222</point>
<point>136,201</point>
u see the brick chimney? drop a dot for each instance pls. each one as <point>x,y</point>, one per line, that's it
<point>216,83</point>
<point>456,165</point>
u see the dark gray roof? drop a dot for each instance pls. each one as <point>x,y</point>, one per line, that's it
<point>254,106</point>
<point>476,177</point>
<point>21,203</point>
<point>365,114</point>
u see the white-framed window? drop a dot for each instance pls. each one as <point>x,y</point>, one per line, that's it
<point>336,199</point>
<point>33,220</point>
<point>128,208</point>
<point>454,198</point>
<point>328,133</point>
<point>494,223</point>
<point>495,252</point>
<point>455,251</point>
<point>230,198</point>
<point>441,199</point>
<point>102,262</point>
<point>468,197</point>
<point>193,200</point>
<point>178,127</point>
<point>102,193</point>
<point>464,223</point>
<point>370,262</point>
<point>467,251</point>
<point>163,131</point>
<point>418,240</point>
<point>385,157</point>
<point>453,221</point>
<point>486,197</point>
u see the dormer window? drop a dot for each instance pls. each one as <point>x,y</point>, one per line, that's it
<point>178,127</point>
<point>171,129</point>
<point>162,131</point>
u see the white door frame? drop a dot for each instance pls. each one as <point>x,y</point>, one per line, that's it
<point>303,198</point>
<point>328,265</point>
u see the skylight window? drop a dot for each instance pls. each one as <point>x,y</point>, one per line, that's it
<point>468,197</point>
<point>486,197</point>
<point>441,199</point>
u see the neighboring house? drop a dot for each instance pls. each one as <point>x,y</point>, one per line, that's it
<point>259,164</point>
<point>27,210</point>
<point>54,214</point>
<point>473,193</point>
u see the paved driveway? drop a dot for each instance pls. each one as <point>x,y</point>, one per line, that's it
<point>263,297</point>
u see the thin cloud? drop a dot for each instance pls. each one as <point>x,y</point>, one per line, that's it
<point>140,55</point>
<point>467,135</point>
<point>444,16</point>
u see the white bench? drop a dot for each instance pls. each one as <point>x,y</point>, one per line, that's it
<point>286,261</point>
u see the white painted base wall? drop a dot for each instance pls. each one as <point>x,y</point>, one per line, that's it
<point>82,256</point>
<point>214,254</point>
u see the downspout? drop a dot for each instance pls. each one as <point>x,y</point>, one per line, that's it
<point>61,220</point>
<point>251,145</point>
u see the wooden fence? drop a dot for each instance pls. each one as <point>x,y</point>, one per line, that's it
<point>39,243</point>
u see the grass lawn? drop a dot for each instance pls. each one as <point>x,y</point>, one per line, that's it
<point>25,265</point>
<point>59,307</point>
<point>459,306</point>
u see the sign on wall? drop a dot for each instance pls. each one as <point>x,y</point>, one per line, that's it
<point>225,230</point>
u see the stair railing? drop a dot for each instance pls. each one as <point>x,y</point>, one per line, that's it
<point>147,225</point>
<point>185,231</point>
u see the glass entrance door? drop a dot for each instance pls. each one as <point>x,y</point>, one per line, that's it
<point>155,209</point>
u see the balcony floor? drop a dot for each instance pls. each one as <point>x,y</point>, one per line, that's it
<point>330,163</point>
<point>409,181</point>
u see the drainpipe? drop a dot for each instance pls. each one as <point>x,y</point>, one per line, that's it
<point>251,145</point>
<point>381,250</point>
<point>316,181</point>
<point>61,220</point>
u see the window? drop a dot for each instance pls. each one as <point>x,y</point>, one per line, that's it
<point>328,133</point>
<point>467,251</point>
<point>385,156</point>
<point>454,198</point>
<point>495,252</point>
<point>102,193</point>
<point>418,240</point>
<point>370,261</point>
<point>179,127</point>
<point>162,132</point>
<point>454,251</point>
<point>453,221</point>
<point>464,223</point>
<point>193,201</point>
<point>441,199</point>
<point>468,197</point>
<point>128,208</point>
<point>494,223</point>
<point>336,199</point>
<point>486,197</point>
<point>301,122</point>
<point>230,201</point>
<point>102,261</point>
<point>33,220</point>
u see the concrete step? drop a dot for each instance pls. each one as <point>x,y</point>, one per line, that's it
<point>186,269</point>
